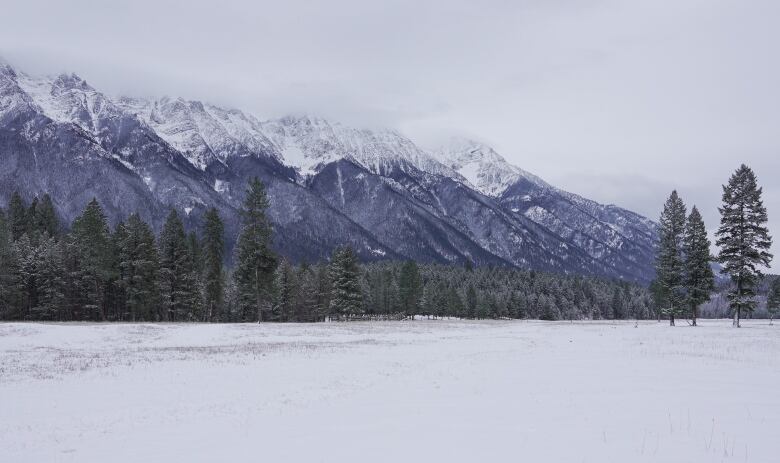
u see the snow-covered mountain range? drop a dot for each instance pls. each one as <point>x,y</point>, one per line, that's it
<point>329,184</point>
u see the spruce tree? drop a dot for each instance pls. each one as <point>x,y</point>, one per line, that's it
<point>17,216</point>
<point>286,292</point>
<point>91,240</point>
<point>773,299</point>
<point>177,272</point>
<point>50,280</point>
<point>46,217</point>
<point>322,291</point>
<point>743,239</point>
<point>139,263</point>
<point>213,247</point>
<point>471,302</point>
<point>699,279</point>
<point>8,273</point>
<point>669,262</point>
<point>118,299</point>
<point>256,261</point>
<point>32,221</point>
<point>25,259</point>
<point>346,295</point>
<point>410,287</point>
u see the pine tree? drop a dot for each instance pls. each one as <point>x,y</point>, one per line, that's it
<point>307,303</point>
<point>26,259</point>
<point>118,297</point>
<point>455,303</point>
<point>773,299</point>
<point>410,287</point>
<point>471,302</point>
<point>286,292</point>
<point>9,297</point>
<point>50,280</point>
<point>213,255</point>
<point>177,272</point>
<point>17,216</point>
<point>743,239</point>
<point>346,296</point>
<point>91,240</point>
<point>322,291</point>
<point>669,262</point>
<point>139,263</point>
<point>32,221</point>
<point>256,261</point>
<point>699,279</point>
<point>46,217</point>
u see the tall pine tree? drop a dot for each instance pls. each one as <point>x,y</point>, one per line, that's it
<point>255,261</point>
<point>91,240</point>
<point>699,279</point>
<point>743,239</point>
<point>139,263</point>
<point>17,216</point>
<point>669,261</point>
<point>177,272</point>
<point>410,287</point>
<point>346,295</point>
<point>46,217</point>
<point>213,247</point>
<point>50,280</point>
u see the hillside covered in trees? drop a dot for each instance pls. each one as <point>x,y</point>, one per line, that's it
<point>88,271</point>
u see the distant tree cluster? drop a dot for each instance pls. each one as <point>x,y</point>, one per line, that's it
<point>94,273</point>
<point>685,279</point>
<point>498,292</point>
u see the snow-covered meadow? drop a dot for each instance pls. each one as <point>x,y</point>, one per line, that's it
<point>391,391</point>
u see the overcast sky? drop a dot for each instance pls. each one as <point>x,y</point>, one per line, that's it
<point>620,101</point>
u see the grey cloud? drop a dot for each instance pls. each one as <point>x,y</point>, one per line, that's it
<point>586,94</point>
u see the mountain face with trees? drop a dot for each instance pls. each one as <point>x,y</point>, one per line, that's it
<point>130,274</point>
<point>379,193</point>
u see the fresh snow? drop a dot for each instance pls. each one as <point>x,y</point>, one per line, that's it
<point>485,169</point>
<point>455,391</point>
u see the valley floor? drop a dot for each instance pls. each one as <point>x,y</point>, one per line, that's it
<point>390,391</point>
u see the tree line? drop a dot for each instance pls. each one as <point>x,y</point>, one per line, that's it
<point>685,278</point>
<point>93,272</point>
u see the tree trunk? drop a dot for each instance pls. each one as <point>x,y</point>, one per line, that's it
<point>739,314</point>
<point>671,319</point>
<point>693,314</point>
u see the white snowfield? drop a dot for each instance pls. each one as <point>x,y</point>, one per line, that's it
<point>428,391</point>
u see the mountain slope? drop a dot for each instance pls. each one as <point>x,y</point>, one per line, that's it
<point>329,184</point>
<point>617,237</point>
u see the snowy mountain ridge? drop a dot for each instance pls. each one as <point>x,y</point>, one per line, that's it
<point>483,167</point>
<point>461,202</point>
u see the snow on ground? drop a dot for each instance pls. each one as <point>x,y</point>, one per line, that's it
<point>395,391</point>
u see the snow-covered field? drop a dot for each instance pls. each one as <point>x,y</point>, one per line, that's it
<point>397,392</point>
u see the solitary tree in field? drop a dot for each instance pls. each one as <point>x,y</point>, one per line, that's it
<point>670,266</point>
<point>699,279</point>
<point>743,239</point>
<point>773,299</point>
